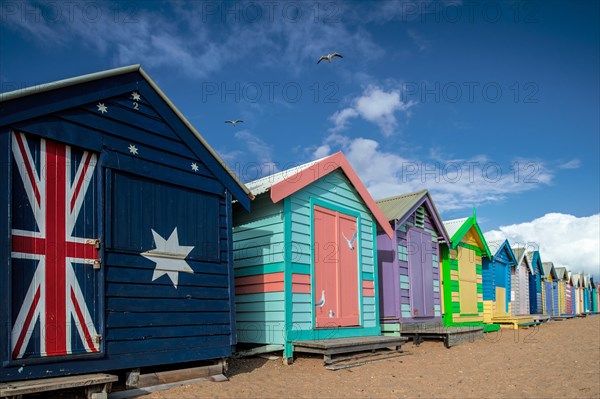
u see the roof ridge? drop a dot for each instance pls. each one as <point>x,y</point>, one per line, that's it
<point>414,193</point>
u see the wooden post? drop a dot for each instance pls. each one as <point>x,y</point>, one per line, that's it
<point>132,378</point>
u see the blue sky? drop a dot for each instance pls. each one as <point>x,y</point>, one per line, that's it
<point>440,95</point>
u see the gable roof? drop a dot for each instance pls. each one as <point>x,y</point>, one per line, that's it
<point>576,282</point>
<point>549,269</point>
<point>522,256</point>
<point>503,245</point>
<point>458,228</point>
<point>10,113</point>
<point>561,273</point>
<point>287,182</point>
<point>532,257</point>
<point>400,207</point>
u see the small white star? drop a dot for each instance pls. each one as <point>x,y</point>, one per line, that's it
<point>133,149</point>
<point>136,96</point>
<point>169,257</point>
<point>194,167</point>
<point>102,108</point>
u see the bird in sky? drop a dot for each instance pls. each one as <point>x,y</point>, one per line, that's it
<point>350,241</point>
<point>322,301</point>
<point>235,122</point>
<point>329,57</point>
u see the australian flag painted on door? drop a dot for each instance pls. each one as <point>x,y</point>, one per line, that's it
<point>54,252</point>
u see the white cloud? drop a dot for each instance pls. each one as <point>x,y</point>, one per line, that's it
<point>419,41</point>
<point>205,38</point>
<point>322,151</point>
<point>262,153</point>
<point>376,106</point>
<point>568,241</point>
<point>455,183</point>
<point>572,164</point>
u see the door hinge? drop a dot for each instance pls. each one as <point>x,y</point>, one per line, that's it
<point>97,338</point>
<point>96,263</point>
<point>94,241</point>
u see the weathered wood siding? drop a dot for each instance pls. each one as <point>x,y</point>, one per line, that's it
<point>258,259</point>
<point>520,289</point>
<point>496,277</point>
<point>463,294</point>
<point>402,253</point>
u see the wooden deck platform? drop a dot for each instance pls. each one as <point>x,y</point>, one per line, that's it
<point>541,317</point>
<point>340,346</point>
<point>451,336</point>
<point>516,322</point>
<point>97,386</point>
<point>564,317</point>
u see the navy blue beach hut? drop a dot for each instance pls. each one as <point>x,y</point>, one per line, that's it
<point>535,282</point>
<point>118,253</point>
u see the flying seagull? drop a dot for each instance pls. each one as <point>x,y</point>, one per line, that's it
<point>322,301</point>
<point>235,122</point>
<point>328,57</point>
<point>350,241</point>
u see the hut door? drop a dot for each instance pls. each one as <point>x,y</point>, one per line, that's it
<point>421,273</point>
<point>523,292</point>
<point>467,280</point>
<point>501,276</point>
<point>548,297</point>
<point>55,260</point>
<point>336,269</point>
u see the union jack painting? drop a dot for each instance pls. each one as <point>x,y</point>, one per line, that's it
<point>54,249</point>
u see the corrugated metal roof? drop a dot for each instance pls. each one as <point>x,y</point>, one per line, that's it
<point>115,72</point>
<point>519,251</point>
<point>452,226</point>
<point>494,245</point>
<point>561,272</point>
<point>547,266</point>
<point>396,207</point>
<point>263,184</point>
<point>521,255</point>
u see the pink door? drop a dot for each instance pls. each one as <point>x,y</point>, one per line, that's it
<point>336,269</point>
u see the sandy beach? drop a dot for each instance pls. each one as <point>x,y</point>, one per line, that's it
<point>560,359</point>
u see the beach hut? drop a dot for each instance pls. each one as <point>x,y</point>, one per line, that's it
<point>462,285</point>
<point>506,286</point>
<point>520,277</point>
<point>535,282</point>
<point>550,290</point>
<point>569,308</point>
<point>119,251</point>
<point>562,281</point>
<point>306,261</point>
<point>410,295</point>
<point>594,295</point>
<point>585,292</point>
<point>577,297</point>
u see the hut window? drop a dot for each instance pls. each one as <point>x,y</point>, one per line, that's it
<point>420,217</point>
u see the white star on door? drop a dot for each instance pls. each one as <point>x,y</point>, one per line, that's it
<point>169,257</point>
<point>102,108</point>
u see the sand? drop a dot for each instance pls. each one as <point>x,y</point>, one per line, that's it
<point>560,359</point>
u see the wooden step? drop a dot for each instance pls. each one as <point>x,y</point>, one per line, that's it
<point>97,386</point>
<point>336,346</point>
<point>451,336</point>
